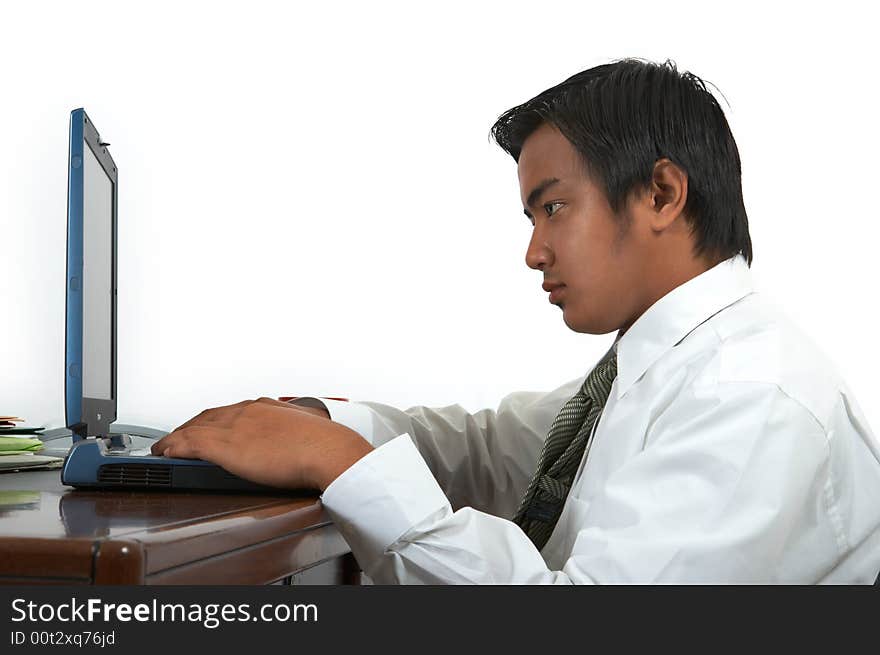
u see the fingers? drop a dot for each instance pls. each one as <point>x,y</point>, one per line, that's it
<point>195,442</point>
<point>208,434</point>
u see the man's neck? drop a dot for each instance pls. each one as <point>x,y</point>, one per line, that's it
<point>673,271</point>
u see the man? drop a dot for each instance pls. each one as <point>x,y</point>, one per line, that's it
<point>712,443</point>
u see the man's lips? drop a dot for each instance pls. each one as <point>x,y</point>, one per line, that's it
<point>555,289</point>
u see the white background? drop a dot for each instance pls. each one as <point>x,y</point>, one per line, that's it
<point>310,203</point>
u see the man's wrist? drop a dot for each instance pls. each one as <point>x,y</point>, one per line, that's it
<point>337,461</point>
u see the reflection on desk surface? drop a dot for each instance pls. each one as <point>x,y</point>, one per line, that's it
<point>36,504</point>
<point>12,500</point>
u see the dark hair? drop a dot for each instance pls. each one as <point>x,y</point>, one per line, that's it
<point>624,116</point>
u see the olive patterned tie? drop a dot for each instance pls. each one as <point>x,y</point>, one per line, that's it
<point>562,452</point>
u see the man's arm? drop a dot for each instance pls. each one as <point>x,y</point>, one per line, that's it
<point>483,460</point>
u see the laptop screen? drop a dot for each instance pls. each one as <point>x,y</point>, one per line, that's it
<point>97,280</point>
<point>90,337</point>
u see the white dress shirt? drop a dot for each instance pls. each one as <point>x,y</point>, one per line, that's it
<point>729,451</point>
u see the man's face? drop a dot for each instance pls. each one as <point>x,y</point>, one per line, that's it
<point>577,242</point>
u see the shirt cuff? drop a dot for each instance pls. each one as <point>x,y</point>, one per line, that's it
<point>352,415</point>
<point>381,497</point>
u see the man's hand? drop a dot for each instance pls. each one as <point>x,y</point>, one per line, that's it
<point>269,442</point>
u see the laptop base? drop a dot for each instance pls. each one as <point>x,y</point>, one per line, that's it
<point>109,464</point>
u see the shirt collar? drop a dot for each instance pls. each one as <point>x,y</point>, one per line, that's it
<point>677,314</point>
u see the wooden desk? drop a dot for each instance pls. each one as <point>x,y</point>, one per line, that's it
<point>52,534</point>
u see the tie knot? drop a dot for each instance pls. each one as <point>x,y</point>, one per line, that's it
<point>597,386</point>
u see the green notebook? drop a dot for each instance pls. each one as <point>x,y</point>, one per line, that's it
<point>19,445</point>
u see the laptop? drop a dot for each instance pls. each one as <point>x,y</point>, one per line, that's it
<point>101,456</point>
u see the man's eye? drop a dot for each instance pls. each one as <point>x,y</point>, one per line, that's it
<point>551,204</point>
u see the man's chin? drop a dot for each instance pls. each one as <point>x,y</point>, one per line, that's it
<point>571,323</point>
<point>583,325</point>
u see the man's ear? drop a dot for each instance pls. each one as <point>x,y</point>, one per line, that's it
<point>667,194</point>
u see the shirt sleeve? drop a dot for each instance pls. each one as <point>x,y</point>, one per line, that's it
<point>725,486</point>
<point>402,529</point>
<point>482,460</point>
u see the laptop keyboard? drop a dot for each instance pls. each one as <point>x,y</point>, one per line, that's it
<point>129,452</point>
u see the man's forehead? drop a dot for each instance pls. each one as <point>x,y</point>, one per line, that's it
<point>546,154</point>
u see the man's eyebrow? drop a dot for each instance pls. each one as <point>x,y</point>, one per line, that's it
<point>536,193</point>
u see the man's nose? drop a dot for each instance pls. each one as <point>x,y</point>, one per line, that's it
<point>538,254</point>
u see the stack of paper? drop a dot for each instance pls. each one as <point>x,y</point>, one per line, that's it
<point>8,426</point>
<point>18,445</point>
